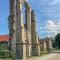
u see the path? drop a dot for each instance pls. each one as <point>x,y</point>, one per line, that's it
<point>52,56</point>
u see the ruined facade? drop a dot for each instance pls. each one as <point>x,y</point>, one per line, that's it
<point>45,44</point>
<point>23,37</point>
<point>49,43</point>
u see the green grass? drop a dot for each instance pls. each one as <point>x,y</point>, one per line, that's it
<point>43,52</point>
<point>6,59</point>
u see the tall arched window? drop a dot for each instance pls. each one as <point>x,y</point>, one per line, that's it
<point>24,12</point>
<point>24,15</point>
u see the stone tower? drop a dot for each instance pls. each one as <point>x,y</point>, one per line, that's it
<point>16,28</point>
<point>28,26</point>
<point>34,38</point>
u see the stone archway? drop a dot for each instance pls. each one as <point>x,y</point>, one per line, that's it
<point>27,27</point>
<point>19,29</point>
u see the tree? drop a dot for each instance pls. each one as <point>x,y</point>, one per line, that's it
<point>57,40</point>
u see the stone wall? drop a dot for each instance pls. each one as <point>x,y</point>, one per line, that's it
<point>23,39</point>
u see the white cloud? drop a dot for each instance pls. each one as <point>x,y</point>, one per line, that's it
<point>52,27</point>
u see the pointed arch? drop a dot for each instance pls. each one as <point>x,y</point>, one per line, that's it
<point>24,10</point>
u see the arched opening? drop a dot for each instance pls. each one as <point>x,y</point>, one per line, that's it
<point>24,12</point>
<point>25,9</point>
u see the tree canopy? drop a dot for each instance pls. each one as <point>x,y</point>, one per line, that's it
<point>57,40</point>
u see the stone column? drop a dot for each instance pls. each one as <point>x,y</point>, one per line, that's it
<point>17,30</point>
<point>45,46</point>
<point>35,43</point>
<point>12,30</point>
<point>29,28</point>
<point>50,44</point>
<point>28,24</point>
<point>38,46</point>
<point>23,35</point>
<point>24,51</point>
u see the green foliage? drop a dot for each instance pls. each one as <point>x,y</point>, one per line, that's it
<point>44,52</point>
<point>57,41</point>
<point>6,54</point>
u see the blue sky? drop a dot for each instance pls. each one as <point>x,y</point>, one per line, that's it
<point>4,12</point>
<point>47,17</point>
<point>47,14</point>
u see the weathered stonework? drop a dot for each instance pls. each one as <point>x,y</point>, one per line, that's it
<point>49,43</point>
<point>28,12</point>
<point>35,42</point>
<point>45,44</point>
<point>17,32</point>
<point>23,37</point>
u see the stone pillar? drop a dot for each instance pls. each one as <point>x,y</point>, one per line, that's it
<point>28,25</point>
<point>35,43</point>
<point>17,30</point>
<point>45,46</point>
<point>23,35</point>
<point>29,28</point>
<point>38,46</point>
<point>50,44</point>
<point>12,30</point>
<point>24,51</point>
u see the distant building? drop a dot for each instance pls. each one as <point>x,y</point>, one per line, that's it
<point>45,44</point>
<point>4,39</point>
<point>48,43</point>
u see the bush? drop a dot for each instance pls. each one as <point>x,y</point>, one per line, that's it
<point>5,53</point>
